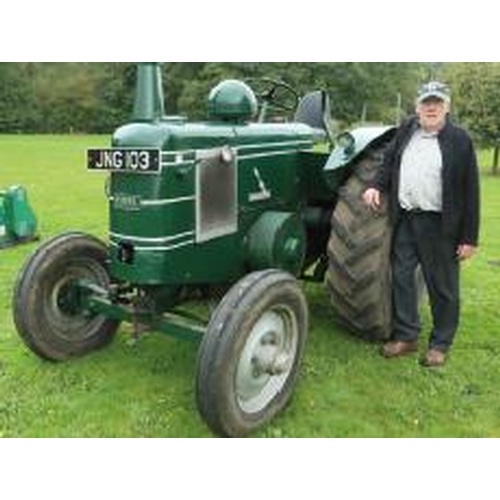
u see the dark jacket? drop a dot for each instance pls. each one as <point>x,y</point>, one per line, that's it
<point>460,175</point>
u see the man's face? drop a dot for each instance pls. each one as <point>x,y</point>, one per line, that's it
<point>432,114</point>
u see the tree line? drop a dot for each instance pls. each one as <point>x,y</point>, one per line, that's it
<point>98,97</point>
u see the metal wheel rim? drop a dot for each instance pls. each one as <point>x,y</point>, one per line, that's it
<point>76,325</point>
<point>267,358</point>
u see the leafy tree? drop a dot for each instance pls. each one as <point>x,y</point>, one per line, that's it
<point>352,86</point>
<point>476,102</point>
<point>17,111</point>
<point>176,77</point>
<point>115,86</point>
<point>98,97</point>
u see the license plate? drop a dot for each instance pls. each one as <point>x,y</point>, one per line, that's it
<point>144,161</point>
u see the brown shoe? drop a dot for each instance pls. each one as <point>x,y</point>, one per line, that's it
<point>397,348</point>
<point>434,358</point>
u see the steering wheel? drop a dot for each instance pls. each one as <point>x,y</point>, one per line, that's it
<point>273,95</point>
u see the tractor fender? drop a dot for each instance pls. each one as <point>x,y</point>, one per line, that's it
<point>352,144</point>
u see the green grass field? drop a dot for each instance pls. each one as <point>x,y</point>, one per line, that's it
<point>146,389</point>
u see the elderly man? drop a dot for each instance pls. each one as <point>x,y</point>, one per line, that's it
<point>430,178</point>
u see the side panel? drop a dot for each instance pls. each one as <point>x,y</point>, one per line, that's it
<point>314,186</point>
<point>189,223</point>
<point>165,236</point>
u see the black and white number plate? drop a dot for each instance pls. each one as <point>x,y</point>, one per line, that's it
<point>143,161</point>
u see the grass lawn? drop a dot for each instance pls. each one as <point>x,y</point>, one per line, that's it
<point>146,389</point>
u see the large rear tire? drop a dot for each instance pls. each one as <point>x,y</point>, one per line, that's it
<point>359,272</point>
<point>250,355</point>
<point>48,312</point>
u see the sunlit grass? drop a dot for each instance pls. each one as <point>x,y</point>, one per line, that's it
<point>346,388</point>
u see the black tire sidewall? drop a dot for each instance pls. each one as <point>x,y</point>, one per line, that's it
<point>33,288</point>
<point>225,340</point>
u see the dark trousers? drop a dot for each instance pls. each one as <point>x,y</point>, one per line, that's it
<point>418,239</point>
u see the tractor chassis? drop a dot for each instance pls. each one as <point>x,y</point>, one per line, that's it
<point>175,325</point>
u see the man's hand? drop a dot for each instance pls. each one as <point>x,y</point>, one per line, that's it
<point>372,198</point>
<point>465,251</point>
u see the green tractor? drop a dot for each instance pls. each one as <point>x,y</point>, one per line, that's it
<point>238,208</point>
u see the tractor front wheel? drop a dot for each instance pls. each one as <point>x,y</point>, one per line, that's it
<point>250,355</point>
<point>48,304</point>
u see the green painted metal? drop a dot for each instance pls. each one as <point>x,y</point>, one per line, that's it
<point>149,96</point>
<point>232,100</point>
<point>175,326</point>
<point>3,222</point>
<point>162,225</point>
<point>230,197</point>
<point>351,144</point>
<point>18,222</point>
<point>277,240</point>
<point>317,184</point>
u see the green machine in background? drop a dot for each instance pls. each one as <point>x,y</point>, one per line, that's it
<point>18,222</point>
<point>238,208</point>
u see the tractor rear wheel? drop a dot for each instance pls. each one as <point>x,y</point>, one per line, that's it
<point>49,313</point>
<point>359,272</point>
<point>249,358</point>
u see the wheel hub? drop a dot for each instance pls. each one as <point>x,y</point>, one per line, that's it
<point>268,357</point>
<point>265,360</point>
<point>67,297</point>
